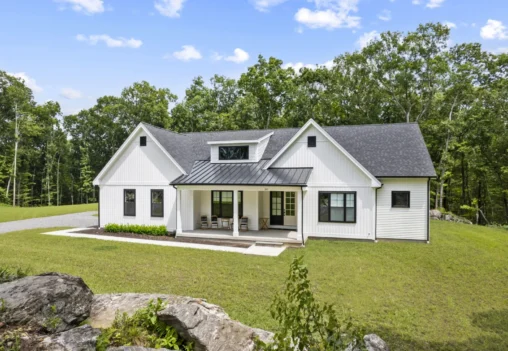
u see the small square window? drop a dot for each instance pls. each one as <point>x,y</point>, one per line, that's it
<point>142,141</point>
<point>311,141</point>
<point>400,199</point>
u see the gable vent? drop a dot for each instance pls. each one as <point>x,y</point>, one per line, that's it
<point>311,141</point>
<point>142,141</point>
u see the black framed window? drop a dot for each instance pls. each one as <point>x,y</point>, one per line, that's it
<point>157,203</point>
<point>222,204</point>
<point>129,202</point>
<point>311,141</point>
<point>233,152</point>
<point>337,207</point>
<point>401,199</point>
<point>142,141</point>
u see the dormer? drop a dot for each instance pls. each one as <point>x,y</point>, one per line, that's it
<point>238,151</point>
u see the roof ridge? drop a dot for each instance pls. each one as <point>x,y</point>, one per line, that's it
<point>163,129</point>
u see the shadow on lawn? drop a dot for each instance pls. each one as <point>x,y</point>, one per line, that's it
<point>493,323</point>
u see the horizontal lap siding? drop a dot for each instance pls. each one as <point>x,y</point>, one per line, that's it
<point>403,223</point>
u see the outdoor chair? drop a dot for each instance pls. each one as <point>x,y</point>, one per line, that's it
<point>204,222</point>
<point>244,223</point>
<point>215,222</point>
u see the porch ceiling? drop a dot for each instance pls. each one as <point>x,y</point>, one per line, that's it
<point>207,173</point>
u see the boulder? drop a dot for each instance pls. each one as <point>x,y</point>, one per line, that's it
<point>435,214</point>
<point>210,328</point>
<point>78,339</point>
<point>105,306</point>
<point>374,343</point>
<point>51,302</point>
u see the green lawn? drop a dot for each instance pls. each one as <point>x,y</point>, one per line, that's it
<point>449,295</point>
<point>8,213</point>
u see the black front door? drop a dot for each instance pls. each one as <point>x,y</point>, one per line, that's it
<point>276,208</point>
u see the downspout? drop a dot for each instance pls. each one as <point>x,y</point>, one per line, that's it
<point>428,211</point>
<point>99,208</point>
<point>303,236</point>
<point>176,212</point>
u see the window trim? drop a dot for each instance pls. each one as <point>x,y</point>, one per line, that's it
<point>329,207</point>
<point>142,140</point>
<point>151,203</point>
<point>240,205</point>
<point>401,192</point>
<point>311,141</point>
<point>234,159</point>
<point>124,202</point>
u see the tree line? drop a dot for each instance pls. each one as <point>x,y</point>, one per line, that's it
<point>457,94</point>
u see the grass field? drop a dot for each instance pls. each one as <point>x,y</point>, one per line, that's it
<point>8,213</point>
<point>449,295</point>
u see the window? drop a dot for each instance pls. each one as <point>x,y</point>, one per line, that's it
<point>311,141</point>
<point>222,204</point>
<point>157,208</point>
<point>142,141</point>
<point>129,202</point>
<point>400,199</point>
<point>290,203</point>
<point>233,152</point>
<point>337,207</point>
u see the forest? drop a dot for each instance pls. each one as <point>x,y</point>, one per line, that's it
<point>457,93</point>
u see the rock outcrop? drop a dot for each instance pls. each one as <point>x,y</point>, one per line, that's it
<point>374,343</point>
<point>210,328</point>
<point>51,302</point>
<point>450,217</point>
<point>83,338</point>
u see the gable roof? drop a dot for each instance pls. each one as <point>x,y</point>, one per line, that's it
<point>385,150</point>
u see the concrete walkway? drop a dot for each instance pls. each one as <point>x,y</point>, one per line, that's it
<point>252,250</point>
<point>83,219</point>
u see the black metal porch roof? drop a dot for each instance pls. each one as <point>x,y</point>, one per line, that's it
<point>206,173</point>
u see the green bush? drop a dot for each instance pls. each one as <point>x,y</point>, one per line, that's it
<point>158,230</point>
<point>142,329</point>
<point>305,324</point>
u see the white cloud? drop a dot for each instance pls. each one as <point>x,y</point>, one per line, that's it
<point>109,41</point>
<point>450,24</point>
<point>385,15</point>
<point>416,2</point>
<point>87,6</point>
<point>432,4</point>
<point>366,38</point>
<point>330,14</point>
<point>494,30</point>
<point>501,51</point>
<point>169,8</point>
<point>187,53</point>
<point>29,81</point>
<point>239,56</point>
<point>71,94</point>
<point>264,5</point>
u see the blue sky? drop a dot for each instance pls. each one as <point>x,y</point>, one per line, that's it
<point>74,51</point>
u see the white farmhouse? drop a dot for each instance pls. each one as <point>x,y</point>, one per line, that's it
<point>365,182</point>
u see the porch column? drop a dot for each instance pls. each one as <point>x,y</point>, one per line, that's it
<point>235,213</point>
<point>299,202</point>
<point>178,211</point>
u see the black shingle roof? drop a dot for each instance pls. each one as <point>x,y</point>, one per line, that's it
<point>385,150</point>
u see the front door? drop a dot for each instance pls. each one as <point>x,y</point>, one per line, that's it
<point>276,208</point>
<point>290,208</point>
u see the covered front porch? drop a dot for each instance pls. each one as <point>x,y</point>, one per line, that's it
<point>271,214</point>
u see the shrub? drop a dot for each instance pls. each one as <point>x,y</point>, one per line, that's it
<point>304,324</point>
<point>142,329</point>
<point>9,274</point>
<point>158,230</point>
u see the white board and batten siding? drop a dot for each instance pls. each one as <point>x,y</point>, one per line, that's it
<point>332,171</point>
<point>142,168</point>
<point>403,223</point>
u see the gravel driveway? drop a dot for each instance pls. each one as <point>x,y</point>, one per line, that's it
<point>83,219</point>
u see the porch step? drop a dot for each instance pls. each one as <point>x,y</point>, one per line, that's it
<point>269,243</point>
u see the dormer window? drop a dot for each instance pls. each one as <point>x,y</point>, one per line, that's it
<point>233,152</point>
